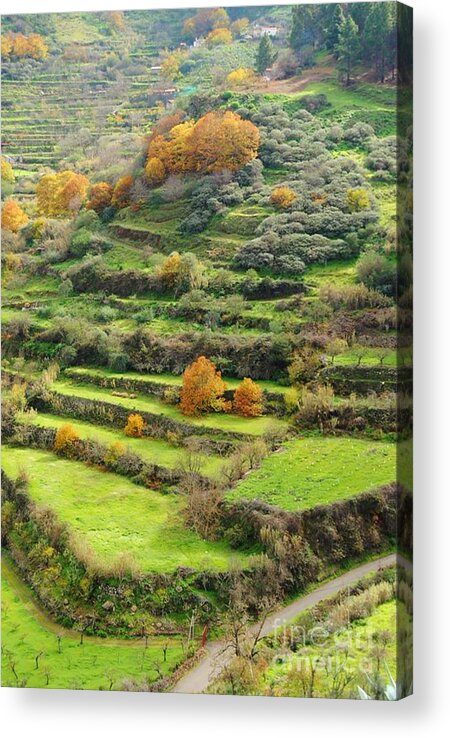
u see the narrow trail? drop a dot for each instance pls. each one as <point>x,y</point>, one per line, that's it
<point>198,679</point>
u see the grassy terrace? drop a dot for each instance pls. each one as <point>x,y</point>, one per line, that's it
<point>155,451</point>
<point>27,631</point>
<point>319,470</point>
<point>145,403</point>
<point>114,516</point>
<point>173,379</point>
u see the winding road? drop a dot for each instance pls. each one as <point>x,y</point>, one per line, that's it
<point>197,680</point>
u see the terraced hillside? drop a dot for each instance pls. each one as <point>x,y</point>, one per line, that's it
<point>206,332</point>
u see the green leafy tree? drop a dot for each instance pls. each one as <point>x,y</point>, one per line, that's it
<point>348,47</point>
<point>266,54</point>
<point>380,37</point>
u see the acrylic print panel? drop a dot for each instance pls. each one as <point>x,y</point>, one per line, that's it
<point>207,249</point>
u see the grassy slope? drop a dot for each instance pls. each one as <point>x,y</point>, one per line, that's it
<point>176,379</point>
<point>26,632</point>
<point>115,516</point>
<point>145,403</point>
<point>153,450</point>
<point>319,470</point>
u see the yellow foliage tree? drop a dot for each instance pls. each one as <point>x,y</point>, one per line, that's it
<point>13,217</point>
<point>282,197</point>
<point>37,47</point>
<point>170,67</point>
<point>117,19</point>
<point>155,170</point>
<point>61,194</point>
<point>218,37</point>
<point>65,438</point>
<point>7,46</point>
<point>240,76</point>
<point>247,400</point>
<point>7,171</point>
<point>135,426</point>
<point>203,389</point>
<point>358,199</point>
<point>170,271</point>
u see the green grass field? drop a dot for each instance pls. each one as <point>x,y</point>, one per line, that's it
<point>155,451</point>
<point>146,403</point>
<point>96,664</point>
<point>319,470</point>
<point>114,516</point>
<point>358,641</point>
<point>173,379</point>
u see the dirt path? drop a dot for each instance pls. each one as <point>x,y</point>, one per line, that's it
<point>197,680</point>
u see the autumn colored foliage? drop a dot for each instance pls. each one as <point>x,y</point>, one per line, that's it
<point>155,170</point>
<point>100,197</point>
<point>135,426</point>
<point>247,399</point>
<point>358,199</point>
<point>61,194</point>
<point>216,142</point>
<point>121,197</point>
<point>65,437</point>
<point>13,217</point>
<point>204,21</point>
<point>20,46</point>
<point>219,36</point>
<point>282,197</point>
<point>203,389</point>
<point>240,76</point>
<point>7,171</point>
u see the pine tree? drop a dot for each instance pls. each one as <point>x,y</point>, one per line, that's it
<point>348,47</point>
<point>335,29</point>
<point>380,37</point>
<point>266,54</point>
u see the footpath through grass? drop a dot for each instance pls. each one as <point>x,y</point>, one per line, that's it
<point>96,664</point>
<point>114,516</point>
<point>319,470</point>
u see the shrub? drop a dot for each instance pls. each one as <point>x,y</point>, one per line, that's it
<point>247,399</point>
<point>135,426</point>
<point>358,199</point>
<point>282,197</point>
<point>65,438</point>
<point>377,272</point>
<point>315,407</point>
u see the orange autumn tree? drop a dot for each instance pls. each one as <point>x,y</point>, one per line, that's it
<point>61,194</point>
<point>100,197</point>
<point>247,399</point>
<point>121,197</point>
<point>217,141</point>
<point>13,217</point>
<point>203,389</point>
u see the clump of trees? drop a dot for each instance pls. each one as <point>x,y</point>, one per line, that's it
<point>217,141</point>
<point>19,46</point>
<point>61,194</point>
<point>203,389</point>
